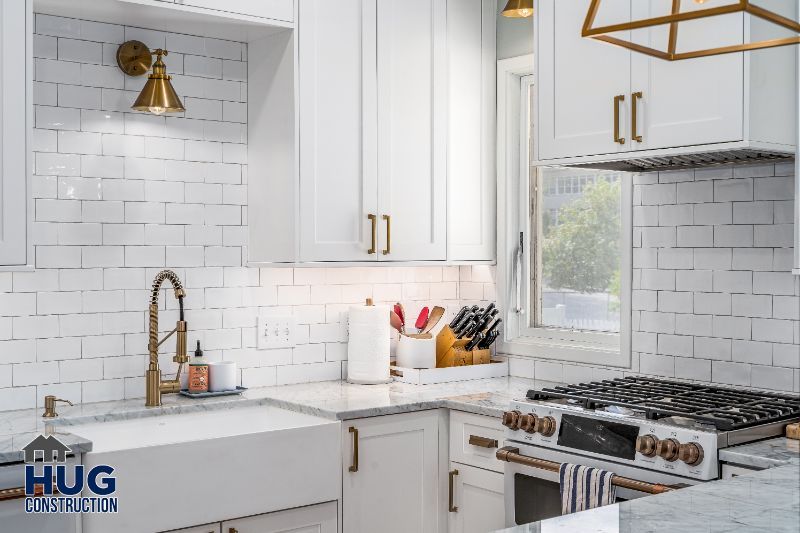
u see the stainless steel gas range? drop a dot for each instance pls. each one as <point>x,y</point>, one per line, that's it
<point>656,435</point>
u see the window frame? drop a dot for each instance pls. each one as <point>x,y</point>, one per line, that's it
<point>514,218</point>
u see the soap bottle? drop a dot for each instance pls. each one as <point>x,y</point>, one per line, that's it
<point>198,372</point>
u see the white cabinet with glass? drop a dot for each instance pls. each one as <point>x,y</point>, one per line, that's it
<point>599,102</point>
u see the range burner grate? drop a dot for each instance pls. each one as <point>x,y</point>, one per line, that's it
<point>724,408</point>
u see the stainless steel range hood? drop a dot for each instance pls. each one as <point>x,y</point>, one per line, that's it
<point>690,160</point>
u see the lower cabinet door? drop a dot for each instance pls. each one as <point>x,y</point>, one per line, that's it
<point>390,474</point>
<point>320,518</point>
<point>477,504</point>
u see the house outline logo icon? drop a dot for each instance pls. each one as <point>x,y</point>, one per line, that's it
<point>52,450</point>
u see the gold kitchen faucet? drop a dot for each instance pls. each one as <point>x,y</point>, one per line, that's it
<point>156,386</point>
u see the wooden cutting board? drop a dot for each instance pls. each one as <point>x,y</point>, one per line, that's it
<point>793,431</point>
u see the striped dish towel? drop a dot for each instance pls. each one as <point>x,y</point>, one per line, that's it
<point>584,487</point>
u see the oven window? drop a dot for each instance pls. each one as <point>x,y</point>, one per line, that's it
<point>535,499</point>
<point>598,436</point>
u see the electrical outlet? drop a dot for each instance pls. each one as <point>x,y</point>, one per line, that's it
<point>275,332</point>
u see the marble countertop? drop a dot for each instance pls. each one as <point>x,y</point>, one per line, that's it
<point>336,400</point>
<point>767,501</point>
<point>763,454</point>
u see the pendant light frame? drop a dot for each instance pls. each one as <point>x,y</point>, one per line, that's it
<point>676,17</point>
<point>515,7</point>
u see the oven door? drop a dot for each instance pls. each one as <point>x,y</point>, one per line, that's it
<point>533,494</point>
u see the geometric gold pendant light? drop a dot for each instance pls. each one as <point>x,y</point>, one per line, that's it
<point>158,95</point>
<point>678,15</point>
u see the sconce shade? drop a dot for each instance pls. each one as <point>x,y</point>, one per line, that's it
<point>518,9</point>
<point>158,96</point>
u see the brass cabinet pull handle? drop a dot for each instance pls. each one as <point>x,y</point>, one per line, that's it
<point>388,220</point>
<point>617,99</point>
<point>483,442</point>
<point>453,508</point>
<point>354,465</point>
<point>374,221</point>
<point>634,97</point>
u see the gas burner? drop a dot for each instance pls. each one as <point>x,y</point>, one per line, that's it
<point>723,408</point>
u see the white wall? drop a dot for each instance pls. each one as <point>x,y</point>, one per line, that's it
<point>514,36</point>
<point>714,299</point>
<point>121,195</point>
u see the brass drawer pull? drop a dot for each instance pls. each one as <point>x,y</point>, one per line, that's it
<point>617,99</point>
<point>354,465</point>
<point>388,220</point>
<point>374,221</point>
<point>453,508</point>
<point>483,442</point>
<point>634,97</point>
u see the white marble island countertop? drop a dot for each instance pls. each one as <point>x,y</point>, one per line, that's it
<point>761,502</point>
<point>335,400</point>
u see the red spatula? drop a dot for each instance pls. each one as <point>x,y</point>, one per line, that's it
<point>422,319</point>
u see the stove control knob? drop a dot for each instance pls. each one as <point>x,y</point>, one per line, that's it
<point>511,419</point>
<point>668,449</point>
<point>546,426</point>
<point>646,445</point>
<point>690,453</point>
<point>527,423</point>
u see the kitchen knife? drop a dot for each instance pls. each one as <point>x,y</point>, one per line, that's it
<point>493,327</point>
<point>459,316</point>
<point>476,340</point>
<point>489,309</point>
<point>466,327</point>
<point>489,339</point>
<point>462,323</point>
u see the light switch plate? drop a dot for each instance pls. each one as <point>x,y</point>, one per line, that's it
<point>275,332</point>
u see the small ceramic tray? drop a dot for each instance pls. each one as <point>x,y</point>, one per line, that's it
<point>237,390</point>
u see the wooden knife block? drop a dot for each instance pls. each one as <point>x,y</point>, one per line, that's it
<point>451,351</point>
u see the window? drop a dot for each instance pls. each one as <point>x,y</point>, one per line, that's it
<point>564,261</point>
<point>576,253</point>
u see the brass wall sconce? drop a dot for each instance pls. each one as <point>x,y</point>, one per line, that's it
<point>518,9</point>
<point>677,16</point>
<point>157,96</point>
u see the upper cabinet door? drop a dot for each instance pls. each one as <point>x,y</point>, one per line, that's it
<point>472,108</point>
<point>412,129</point>
<point>688,102</point>
<point>338,188</point>
<point>15,73</point>
<point>578,80</point>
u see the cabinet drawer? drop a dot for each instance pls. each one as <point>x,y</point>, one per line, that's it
<point>271,9</point>
<point>474,439</point>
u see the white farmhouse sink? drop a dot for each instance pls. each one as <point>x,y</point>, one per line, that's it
<point>183,470</point>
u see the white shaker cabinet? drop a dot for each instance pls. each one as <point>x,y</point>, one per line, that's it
<point>471,146</point>
<point>412,137</point>
<point>581,84</point>
<point>688,102</point>
<point>394,105</point>
<point>477,503</point>
<point>390,473</point>
<point>338,181</point>
<point>599,102</point>
<point>15,112</point>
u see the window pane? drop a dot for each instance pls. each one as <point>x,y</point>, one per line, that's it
<point>576,276</point>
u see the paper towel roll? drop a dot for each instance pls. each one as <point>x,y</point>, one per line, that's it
<point>368,344</point>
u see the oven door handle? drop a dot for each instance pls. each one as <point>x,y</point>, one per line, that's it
<point>510,454</point>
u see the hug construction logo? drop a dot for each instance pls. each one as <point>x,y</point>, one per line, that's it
<point>52,486</point>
